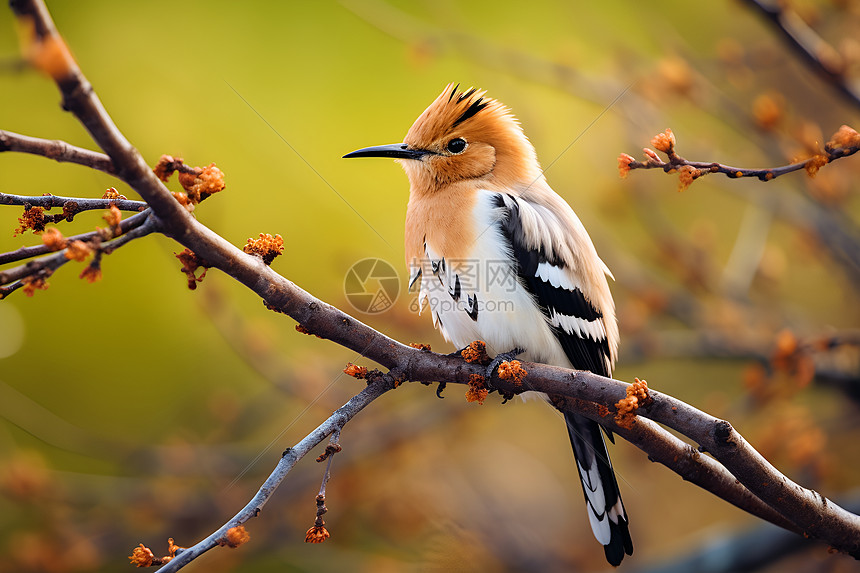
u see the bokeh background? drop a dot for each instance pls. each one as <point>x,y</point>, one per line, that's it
<point>134,409</point>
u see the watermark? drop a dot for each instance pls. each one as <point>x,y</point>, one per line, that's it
<point>371,286</point>
<point>445,304</point>
<point>472,286</point>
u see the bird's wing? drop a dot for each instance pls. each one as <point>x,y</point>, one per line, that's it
<point>559,291</point>
<point>557,287</point>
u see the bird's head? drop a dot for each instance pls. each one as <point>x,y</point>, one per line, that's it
<point>463,136</point>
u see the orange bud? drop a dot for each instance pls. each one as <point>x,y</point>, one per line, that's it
<point>190,263</point>
<point>814,163</point>
<point>142,556</point>
<point>78,251</point>
<point>33,218</point>
<point>236,536</point>
<point>845,136</point>
<point>768,110</point>
<point>475,352</point>
<point>637,395</point>
<point>624,162</point>
<point>54,239</point>
<point>317,534</point>
<point>165,167</point>
<point>113,194</point>
<point>477,391</point>
<point>359,372</point>
<point>204,182</point>
<point>113,217</point>
<point>686,175</point>
<point>266,247</point>
<point>652,157</point>
<point>676,75</point>
<point>32,284</point>
<point>91,274</point>
<point>512,371</point>
<point>664,142</point>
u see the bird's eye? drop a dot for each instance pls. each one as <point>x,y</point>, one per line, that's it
<point>457,145</point>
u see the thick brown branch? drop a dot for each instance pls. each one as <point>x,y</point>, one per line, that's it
<point>686,461</point>
<point>812,513</point>
<point>56,150</point>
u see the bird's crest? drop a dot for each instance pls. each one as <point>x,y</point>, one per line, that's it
<point>453,109</point>
<point>497,151</point>
<point>475,104</point>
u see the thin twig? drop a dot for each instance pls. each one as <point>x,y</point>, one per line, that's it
<point>150,225</point>
<point>764,174</point>
<point>69,204</point>
<point>46,266</point>
<point>291,456</point>
<point>15,278</point>
<point>56,150</point>
<point>37,250</point>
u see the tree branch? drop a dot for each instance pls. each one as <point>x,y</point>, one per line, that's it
<point>17,277</point>
<point>751,549</point>
<point>821,56</point>
<point>71,206</point>
<point>56,150</point>
<point>814,514</point>
<point>686,461</point>
<point>34,272</point>
<point>291,456</point>
<point>844,143</point>
<point>37,250</point>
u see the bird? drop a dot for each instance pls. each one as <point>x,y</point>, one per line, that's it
<point>498,256</point>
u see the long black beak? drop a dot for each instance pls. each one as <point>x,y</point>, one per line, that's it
<point>396,150</point>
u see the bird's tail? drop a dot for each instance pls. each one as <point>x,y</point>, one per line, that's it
<point>602,497</point>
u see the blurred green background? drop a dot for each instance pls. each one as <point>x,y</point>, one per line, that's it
<point>135,410</point>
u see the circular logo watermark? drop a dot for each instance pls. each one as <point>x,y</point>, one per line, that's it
<point>371,286</point>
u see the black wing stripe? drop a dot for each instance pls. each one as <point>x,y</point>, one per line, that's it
<point>570,303</point>
<point>584,353</point>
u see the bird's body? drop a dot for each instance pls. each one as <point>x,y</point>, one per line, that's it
<point>498,256</point>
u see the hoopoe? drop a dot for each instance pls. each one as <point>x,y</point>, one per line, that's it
<point>500,257</point>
